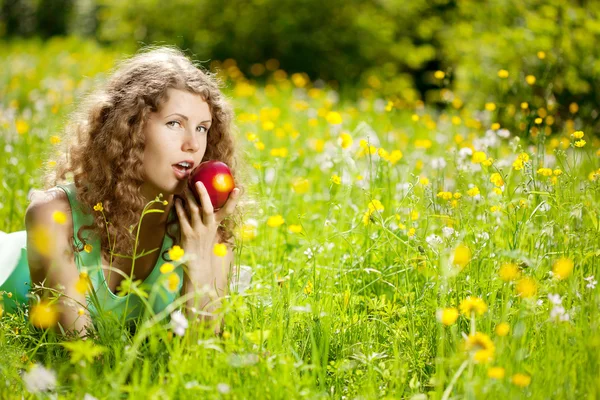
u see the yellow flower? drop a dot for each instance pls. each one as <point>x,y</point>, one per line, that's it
<point>580,143</point>
<point>538,120</point>
<point>366,218</point>
<point>496,179</point>
<point>259,145</point>
<point>439,75</point>
<point>275,221</point>
<point>509,272</point>
<point>54,139</point>
<point>495,372</point>
<point>462,256</point>
<point>176,252</point>
<point>1,310</point>
<point>166,268</point>
<point>414,215</point>
<point>544,171</point>
<point>541,55</point>
<point>423,180</point>
<point>59,217</point>
<point>43,240</point>
<point>394,157</point>
<point>308,289</point>
<point>83,284</point>
<point>88,248</point>
<point>526,287</point>
<point>22,127</point>
<point>502,329</point>
<point>495,126</point>
<point>334,118</point>
<point>411,232</point>
<point>481,347</point>
<point>472,305</point>
<point>490,106</point>
<point>295,228</point>
<point>474,191</point>
<point>578,134</point>
<point>562,268</point>
<point>445,195</point>
<point>336,179</point>
<point>503,74</point>
<point>478,157</point>
<point>98,207</point>
<point>524,105</point>
<point>173,282</point>
<point>447,316</point>
<point>248,231</point>
<point>300,185</point>
<point>43,315</point>
<point>375,205</point>
<point>345,140</point>
<point>521,380</point>
<point>220,249</point>
<point>530,79</point>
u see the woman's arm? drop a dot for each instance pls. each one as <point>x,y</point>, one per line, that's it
<point>50,256</point>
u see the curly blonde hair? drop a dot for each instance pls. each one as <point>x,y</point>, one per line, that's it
<point>104,141</point>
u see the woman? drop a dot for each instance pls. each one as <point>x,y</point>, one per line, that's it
<point>131,145</point>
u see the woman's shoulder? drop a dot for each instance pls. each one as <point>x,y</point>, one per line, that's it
<point>44,203</point>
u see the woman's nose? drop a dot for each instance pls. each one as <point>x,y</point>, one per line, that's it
<point>191,143</point>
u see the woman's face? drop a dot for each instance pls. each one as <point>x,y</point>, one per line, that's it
<point>176,133</point>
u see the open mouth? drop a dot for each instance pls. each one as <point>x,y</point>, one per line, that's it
<point>181,172</point>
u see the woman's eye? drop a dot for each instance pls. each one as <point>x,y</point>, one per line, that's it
<point>172,123</point>
<point>200,128</point>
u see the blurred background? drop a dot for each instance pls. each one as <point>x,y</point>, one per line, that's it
<point>445,53</point>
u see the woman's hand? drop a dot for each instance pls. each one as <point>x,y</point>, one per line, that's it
<point>198,232</point>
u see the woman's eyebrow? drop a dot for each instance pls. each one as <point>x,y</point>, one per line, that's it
<point>186,118</point>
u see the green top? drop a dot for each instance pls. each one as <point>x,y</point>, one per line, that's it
<point>17,280</point>
<point>159,296</point>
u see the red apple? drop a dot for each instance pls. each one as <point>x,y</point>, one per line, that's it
<point>217,179</point>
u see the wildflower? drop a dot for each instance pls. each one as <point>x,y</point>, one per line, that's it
<point>275,221</point>
<point>496,179</point>
<point>423,180</point>
<point>22,127</point>
<point>220,250</point>
<point>439,75</point>
<point>59,217</point>
<point>83,350</point>
<point>300,185</point>
<point>176,252</point>
<point>538,120</point>
<point>490,106</point>
<point>445,195</point>
<point>462,256</point>
<point>502,329</point>
<point>333,118</point>
<point>83,283</point>
<point>541,55</point>
<point>179,323</point>
<point>411,232</point>
<point>447,231</point>
<point>308,289</point>
<point>42,240</point>
<point>591,282</point>
<point>562,268</point>
<point>345,140</point>
<point>526,287</point>
<point>375,205</point>
<point>578,134</point>
<point>447,316</point>
<point>414,215</point>
<point>43,315</point>
<point>394,157</point>
<point>166,268</point>
<point>173,282</point>
<point>295,228</point>
<point>495,372</point>
<point>474,191</point>
<point>472,305</point>
<point>530,79</point>
<point>336,179</point>
<point>481,347</point>
<point>544,172</point>
<point>88,248</point>
<point>521,380</point>
<point>433,240</point>
<point>478,157</point>
<point>39,379</point>
<point>98,207</point>
<point>503,74</point>
<point>509,272</point>
<point>580,143</point>
<point>259,145</point>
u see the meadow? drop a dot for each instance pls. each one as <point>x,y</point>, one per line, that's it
<point>396,252</point>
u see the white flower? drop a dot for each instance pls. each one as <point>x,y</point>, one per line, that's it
<point>447,231</point>
<point>89,397</point>
<point>438,163</point>
<point>223,388</point>
<point>179,323</point>
<point>39,379</point>
<point>465,152</point>
<point>555,299</point>
<point>591,282</point>
<point>433,240</point>
<point>503,133</point>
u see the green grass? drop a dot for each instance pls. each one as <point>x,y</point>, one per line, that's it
<point>340,309</point>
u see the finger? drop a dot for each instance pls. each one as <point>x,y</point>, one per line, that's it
<point>193,206</point>
<point>183,220</point>
<point>229,206</point>
<point>208,213</point>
